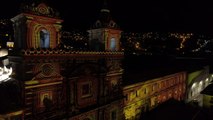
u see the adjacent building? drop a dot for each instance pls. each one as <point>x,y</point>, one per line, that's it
<point>144,96</point>
<point>208,97</point>
<point>197,80</point>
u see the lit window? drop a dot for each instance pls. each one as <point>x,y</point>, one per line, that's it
<point>113,44</point>
<point>44,39</point>
<point>10,44</point>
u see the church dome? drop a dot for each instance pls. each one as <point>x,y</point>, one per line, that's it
<point>105,19</point>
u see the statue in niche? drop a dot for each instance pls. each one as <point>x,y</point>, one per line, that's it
<point>47,102</point>
<point>115,85</point>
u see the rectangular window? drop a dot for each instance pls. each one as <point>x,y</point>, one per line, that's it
<point>126,97</point>
<point>113,44</point>
<point>159,85</point>
<point>163,84</point>
<point>86,90</point>
<point>137,93</point>
<point>113,115</point>
<point>211,100</point>
<point>180,77</point>
<point>10,44</point>
<point>145,91</point>
<point>132,95</point>
<point>154,87</point>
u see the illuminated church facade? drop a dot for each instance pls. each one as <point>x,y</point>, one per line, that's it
<point>61,84</point>
<point>64,84</point>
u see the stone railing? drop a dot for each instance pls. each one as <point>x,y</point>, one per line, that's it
<point>66,52</point>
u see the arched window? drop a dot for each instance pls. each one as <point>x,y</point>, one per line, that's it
<point>112,44</point>
<point>44,39</point>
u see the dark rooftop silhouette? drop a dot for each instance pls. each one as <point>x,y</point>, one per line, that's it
<point>143,68</point>
<point>176,110</point>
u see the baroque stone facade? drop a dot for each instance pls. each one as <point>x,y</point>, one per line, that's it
<point>63,84</point>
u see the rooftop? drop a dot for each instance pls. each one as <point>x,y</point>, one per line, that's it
<point>176,110</point>
<point>143,68</point>
<point>208,90</point>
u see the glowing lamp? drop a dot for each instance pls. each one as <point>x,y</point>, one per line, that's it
<point>5,69</point>
<point>10,44</point>
<point>3,52</point>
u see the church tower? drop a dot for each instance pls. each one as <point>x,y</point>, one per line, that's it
<point>38,26</point>
<point>62,83</point>
<point>36,63</point>
<point>105,34</point>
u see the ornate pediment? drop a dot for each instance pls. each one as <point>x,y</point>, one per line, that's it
<point>45,72</point>
<point>41,9</point>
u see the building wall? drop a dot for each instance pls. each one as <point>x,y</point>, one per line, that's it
<point>76,85</point>
<point>207,101</point>
<point>196,82</point>
<point>56,84</point>
<point>15,115</point>
<point>144,96</point>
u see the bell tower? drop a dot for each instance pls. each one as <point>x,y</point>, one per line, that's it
<point>37,66</point>
<point>105,34</point>
<point>37,26</point>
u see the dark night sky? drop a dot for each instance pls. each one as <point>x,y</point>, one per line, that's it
<point>131,15</point>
